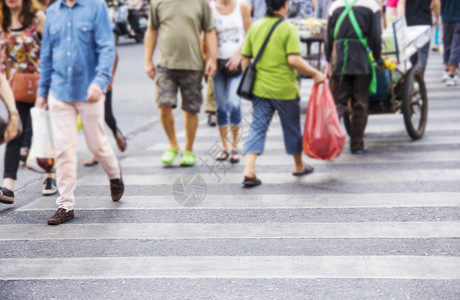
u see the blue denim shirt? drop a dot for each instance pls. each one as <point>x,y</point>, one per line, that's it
<point>77,50</point>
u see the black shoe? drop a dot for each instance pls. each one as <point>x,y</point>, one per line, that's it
<point>49,187</point>
<point>308,170</point>
<point>212,119</point>
<point>359,152</point>
<point>117,188</point>
<point>6,196</point>
<point>60,216</point>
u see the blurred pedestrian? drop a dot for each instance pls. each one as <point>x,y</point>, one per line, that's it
<point>450,14</point>
<point>78,52</point>
<point>258,9</point>
<point>134,7</point>
<point>232,20</point>
<point>180,66</point>
<point>275,88</point>
<point>420,12</point>
<point>21,29</point>
<point>110,119</point>
<point>349,59</point>
<point>322,8</point>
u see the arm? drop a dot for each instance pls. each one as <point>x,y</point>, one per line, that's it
<point>151,37</point>
<point>41,22</point>
<point>210,39</point>
<point>375,38</point>
<point>105,47</point>
<point>301,66</point>
<point>46,68</point>
<point>436,9</point>
<point>245,62</point>
<point>235,61</point>
<point>329,39</point>
<point>7,96</point>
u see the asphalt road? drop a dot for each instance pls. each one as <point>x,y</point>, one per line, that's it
<point>381,226</point>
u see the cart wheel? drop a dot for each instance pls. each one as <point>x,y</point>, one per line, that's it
<point>347,121</point>
<point>414,104</point>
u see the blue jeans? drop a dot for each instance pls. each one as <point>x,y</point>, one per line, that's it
<point>227,101</point>
<point>262,114</point>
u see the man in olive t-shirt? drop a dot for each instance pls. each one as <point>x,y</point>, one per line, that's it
<point>177,24</point>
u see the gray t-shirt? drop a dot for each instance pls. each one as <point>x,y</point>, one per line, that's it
<point>179,23</point>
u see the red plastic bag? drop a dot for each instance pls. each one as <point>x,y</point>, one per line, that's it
<point>323,137</point>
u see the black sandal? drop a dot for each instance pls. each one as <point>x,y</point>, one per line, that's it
<point>250,182</point>
<point>234,157</point>
<point>308,169</point>
<point>223,155</point>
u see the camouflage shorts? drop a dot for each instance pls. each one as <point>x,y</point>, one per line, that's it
<point>190,84</point>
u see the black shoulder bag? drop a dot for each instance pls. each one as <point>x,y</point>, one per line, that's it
<point>249,75</point>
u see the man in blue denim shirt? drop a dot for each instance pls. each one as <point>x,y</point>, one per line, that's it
<point>76,62</point>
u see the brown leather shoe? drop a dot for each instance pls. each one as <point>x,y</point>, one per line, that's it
<point>121,141</point>
<point>60,216</point>
<point>117,188</point>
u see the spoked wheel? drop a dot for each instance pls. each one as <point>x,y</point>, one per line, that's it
<point>414,104</point>
<point>347,121</point>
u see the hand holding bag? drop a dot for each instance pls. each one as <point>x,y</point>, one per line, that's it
<point>222,66</point>
<point>41,155</point>
<point>249,75</point>
<point>323,137</point>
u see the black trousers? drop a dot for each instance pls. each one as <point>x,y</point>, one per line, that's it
<point>109,117</point>
<point>133,19</point>
<point>13,147</point>
<point>356,89</point>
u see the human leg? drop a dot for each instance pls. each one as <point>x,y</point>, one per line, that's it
<point>91,115</point>
<point>64,126</point>
<point>192,99</point>
<point>359,104</point>
<point>166,99</point>
<point>341,92</point>
<point>235,110</point>
<point>454,57</point>
<point>262,115</point>
<point>221,94</point>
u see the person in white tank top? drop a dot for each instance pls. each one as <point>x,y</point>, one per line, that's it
<point>232,20</point>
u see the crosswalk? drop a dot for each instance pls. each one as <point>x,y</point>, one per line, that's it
<point>384,225</point>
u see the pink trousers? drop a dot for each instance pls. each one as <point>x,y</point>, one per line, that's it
<point>64,124</point>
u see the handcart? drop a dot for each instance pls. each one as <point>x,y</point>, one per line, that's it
<point>402,89</point>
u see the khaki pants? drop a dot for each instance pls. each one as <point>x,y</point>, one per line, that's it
<point>64,124</point>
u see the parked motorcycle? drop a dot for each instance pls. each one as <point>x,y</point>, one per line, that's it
<point>120,25</point>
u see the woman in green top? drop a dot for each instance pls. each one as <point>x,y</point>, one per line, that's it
<point>275,87</point>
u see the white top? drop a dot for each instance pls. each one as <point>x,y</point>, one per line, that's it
<point>230,31</point>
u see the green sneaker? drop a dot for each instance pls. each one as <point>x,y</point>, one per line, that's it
<point>187,159</point>
<point>169,156</point>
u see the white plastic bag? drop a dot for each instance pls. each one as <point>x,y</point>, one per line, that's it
<point>41,154</point>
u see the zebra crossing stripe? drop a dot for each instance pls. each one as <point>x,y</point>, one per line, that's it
<point>286,201</point>
<point>346,177</point>
<point>168,231</point>
<point>378,267</point>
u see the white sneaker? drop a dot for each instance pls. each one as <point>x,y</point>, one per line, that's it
<point>445,76</point>
<point>452,81</point>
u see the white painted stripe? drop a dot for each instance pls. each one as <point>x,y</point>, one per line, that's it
<point>388,267</point>
<point>393,127</point>
<point>204,159</point>
<point>337,177</point>
<point>174,231</point>
<point>291,201</point>
<point>200,145</point>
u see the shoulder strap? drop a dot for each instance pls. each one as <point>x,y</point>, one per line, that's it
<point>262,49</point>
<point>342,16</point>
